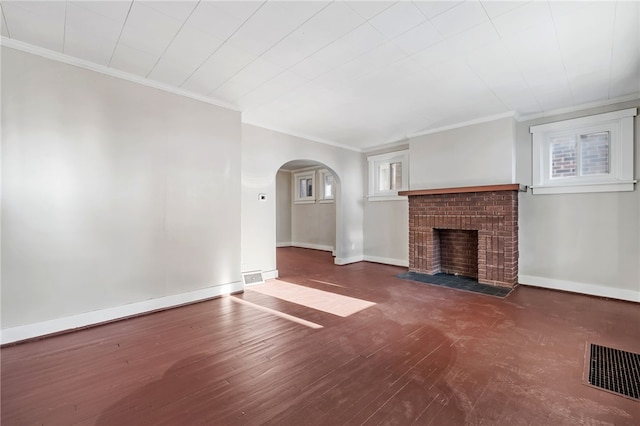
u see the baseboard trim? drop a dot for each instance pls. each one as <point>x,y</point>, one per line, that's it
<point>576,287</point>
<point>79,321</point>
<point>284,244</point>
<point>313,246</point>
<point>270,275</point>
<point>387,261</point>
<point>348,260</point>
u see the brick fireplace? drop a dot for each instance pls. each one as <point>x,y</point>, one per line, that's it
<point>469,231</point>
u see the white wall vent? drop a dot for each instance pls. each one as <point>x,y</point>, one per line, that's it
<point>252,277</point>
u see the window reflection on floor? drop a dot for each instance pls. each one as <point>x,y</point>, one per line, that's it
<point>321,300</point>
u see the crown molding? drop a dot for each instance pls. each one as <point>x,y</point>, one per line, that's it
<point>81,63</point>
<point>581,107</point>
<point>301,136</point>
<point>404,142</point>
<point>510,114</point>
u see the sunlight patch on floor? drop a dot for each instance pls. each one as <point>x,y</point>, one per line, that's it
<point>274,312</point>
<point>320,300</point>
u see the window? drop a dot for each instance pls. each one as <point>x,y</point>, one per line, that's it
<point>304,187</point>
<point>589,154</point>
<point>328,188</point>
<point>388,174</point>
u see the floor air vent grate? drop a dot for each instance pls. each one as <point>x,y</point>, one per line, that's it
<point>615,370</point>
<point>253,277</point>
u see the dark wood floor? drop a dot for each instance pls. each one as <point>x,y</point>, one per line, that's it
<point>422,355</point>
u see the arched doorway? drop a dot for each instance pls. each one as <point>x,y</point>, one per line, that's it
<point>306,205</point>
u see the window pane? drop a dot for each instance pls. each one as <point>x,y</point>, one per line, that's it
<point>594,153</point>
<point>563,157</point>
<point>384,177</point>
<point>396,176</point>
<point>328,186</point>
<point>303,188</point>
<point>309,187</point>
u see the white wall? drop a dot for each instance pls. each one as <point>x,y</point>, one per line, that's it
<point>314,225</point>
<point>587,243</point>
<point>386,224</point>
<point>113,193</point>
<point>478,154</point>
<point>263,153</point>
<point>283,208</point>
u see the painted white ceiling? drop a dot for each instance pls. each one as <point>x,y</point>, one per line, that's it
<point>356,73</point>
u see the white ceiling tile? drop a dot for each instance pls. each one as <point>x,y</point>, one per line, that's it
<point>39,23</point>
<point>418,38</point>
<point>226,62</point>
<point>397,19</point>
<point>112,9</point>
<point>517,97</point>
<point>625,57</point>
<point>229,92</point>
<point>369,9</point>
<point>497,8</point>
<point>239,9</point>
<point>148,30</point>
<point>3,26</point>
<point>91,24</point>
<point>554,99</point>
<point>460,18</point>
<point>563,8</point>
<point>586,45</point>
<point>324,28</point>
<point>272,22</point>
<point>179,10</point>
<point>88,46</point>
<point>253,75</point>
<point>170,72</point>
<point>191,47</point>
<point>132,60</point>
<point>457,77</point>
<point>590,87</point>
<point>532,14</point>
<point>624,81</point>
<point>435,54</point>
<point>271,90</point>
<point>535,50</point>
<point>359,41</point>
<point>586,16</point>
<point>214,19</point>
<point>494,65</point>
<point>379,57</point>
<point>52,9</point>
<point>431,9</point>
<point>470,40</point>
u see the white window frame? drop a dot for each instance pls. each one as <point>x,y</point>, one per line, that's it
<point>307,199</point>
<point>323,197</point>
<point>619,124</point>
<point>374,175</point>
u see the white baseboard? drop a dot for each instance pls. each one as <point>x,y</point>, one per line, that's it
<point>313,246</point>
<point>30,331</point>
<point>284,244</point>
<point>387,261</point>
<point>270,275</point>
<point>575,287</point>
<point>348,260</point>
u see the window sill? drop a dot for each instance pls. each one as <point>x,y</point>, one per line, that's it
<point>325,201</point>
<point>304,202</point>
<point>387,198</point>
<point>584,188</point>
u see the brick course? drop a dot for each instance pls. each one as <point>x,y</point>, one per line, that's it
<point>435,222</point>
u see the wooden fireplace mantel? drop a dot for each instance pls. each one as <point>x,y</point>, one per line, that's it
<point>482,188</point>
